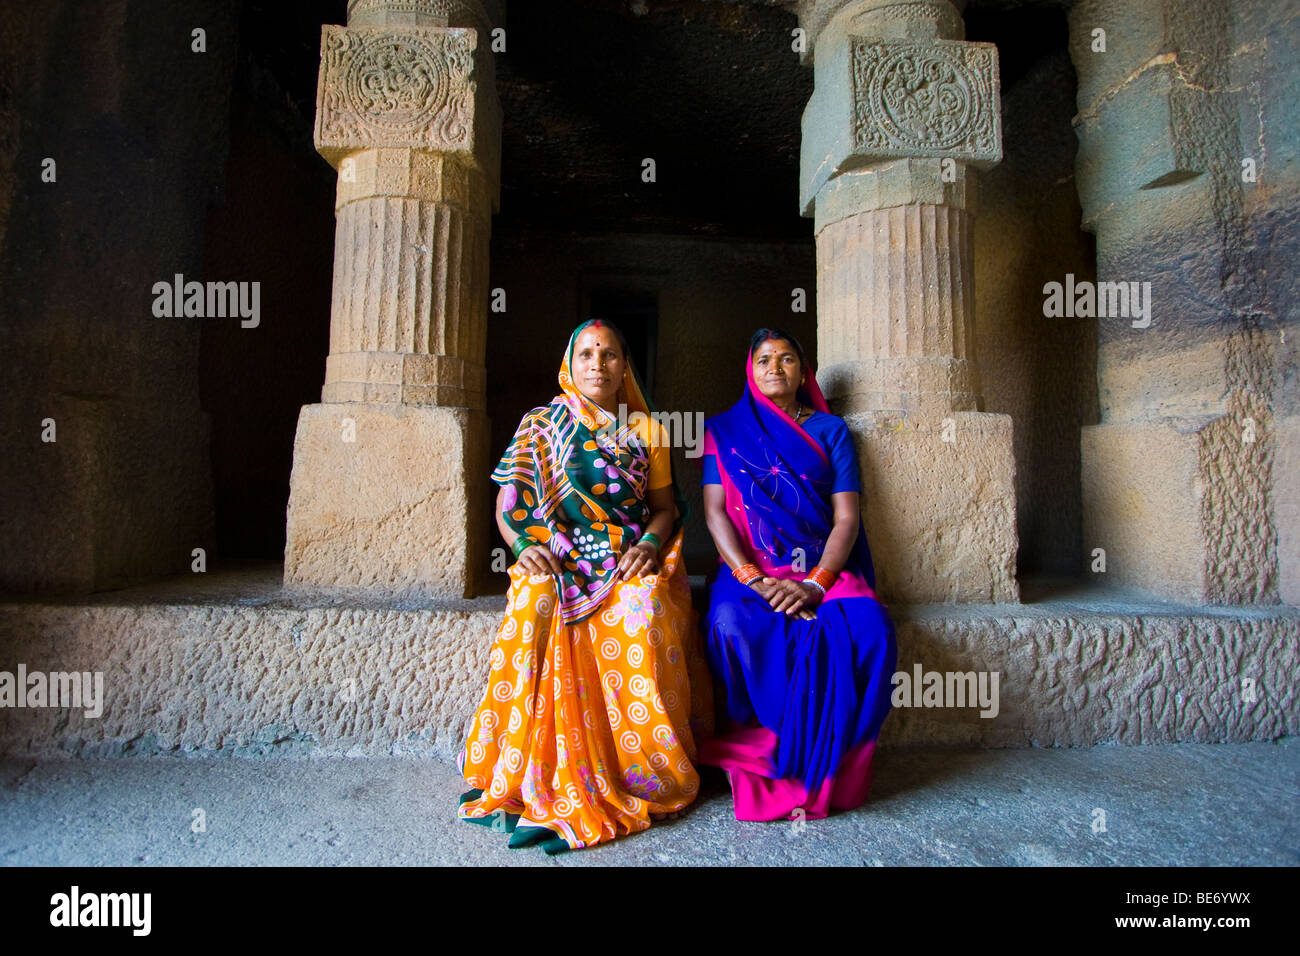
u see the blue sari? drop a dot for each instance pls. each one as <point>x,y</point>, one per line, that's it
<point>806,699</point>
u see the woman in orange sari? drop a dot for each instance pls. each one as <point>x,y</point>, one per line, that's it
<point>585,729</point>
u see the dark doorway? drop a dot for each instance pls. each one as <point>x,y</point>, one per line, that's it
<point>636,313</point>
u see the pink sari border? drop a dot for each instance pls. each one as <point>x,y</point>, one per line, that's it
<point>746,754</point>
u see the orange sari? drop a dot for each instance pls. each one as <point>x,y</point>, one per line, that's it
<point>585,728</point>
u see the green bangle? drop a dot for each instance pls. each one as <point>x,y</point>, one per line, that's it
<point>522,542</point>
<point>652,539</point>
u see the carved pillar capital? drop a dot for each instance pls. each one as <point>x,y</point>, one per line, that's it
<point>406,88</point>
<point>878,100</point>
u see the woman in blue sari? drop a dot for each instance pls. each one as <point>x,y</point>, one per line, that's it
<point>795,633</point>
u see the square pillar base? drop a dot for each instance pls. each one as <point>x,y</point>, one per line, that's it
<point>386,500</point>
<point>939,506</point>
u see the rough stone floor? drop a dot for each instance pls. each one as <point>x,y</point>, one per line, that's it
<point>1182,804</point>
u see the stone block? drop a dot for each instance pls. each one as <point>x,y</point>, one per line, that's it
<point>828,21</point>
<point>421,13</point>
<point>1154,132</point>
<point>1084,675</point>
<point>904,182</point>
<point>1135,32</point>
<point>414,174</point>
<point>254,681</point>
<point>408,378</point>
<point>928,385</point>
<point>385,499</point>
<point>1181,507</point>
<point>939,505</point>
<point>1141,378</point>
<point>1141,506</point>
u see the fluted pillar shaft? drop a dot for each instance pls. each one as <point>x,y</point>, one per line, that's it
<point>409,314</point>
<point>897,308</point>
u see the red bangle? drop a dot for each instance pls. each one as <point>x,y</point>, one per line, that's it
<point>823,578</point>
<point>747,573</point>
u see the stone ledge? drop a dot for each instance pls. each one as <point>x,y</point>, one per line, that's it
<point>224,664</point>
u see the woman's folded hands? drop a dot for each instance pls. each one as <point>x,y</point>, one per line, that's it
<point>642,558</point>
<point>791,597</point>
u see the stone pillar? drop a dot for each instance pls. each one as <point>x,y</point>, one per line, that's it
<point>902,110</point>
<point>388,470</point>
<point>1188,480</point>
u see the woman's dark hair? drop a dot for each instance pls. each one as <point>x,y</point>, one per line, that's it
<point>763,335</point>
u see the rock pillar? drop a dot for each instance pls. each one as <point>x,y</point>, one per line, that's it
<point>902,110</point>
<point>388,469</point>
<point>1189,479</point>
